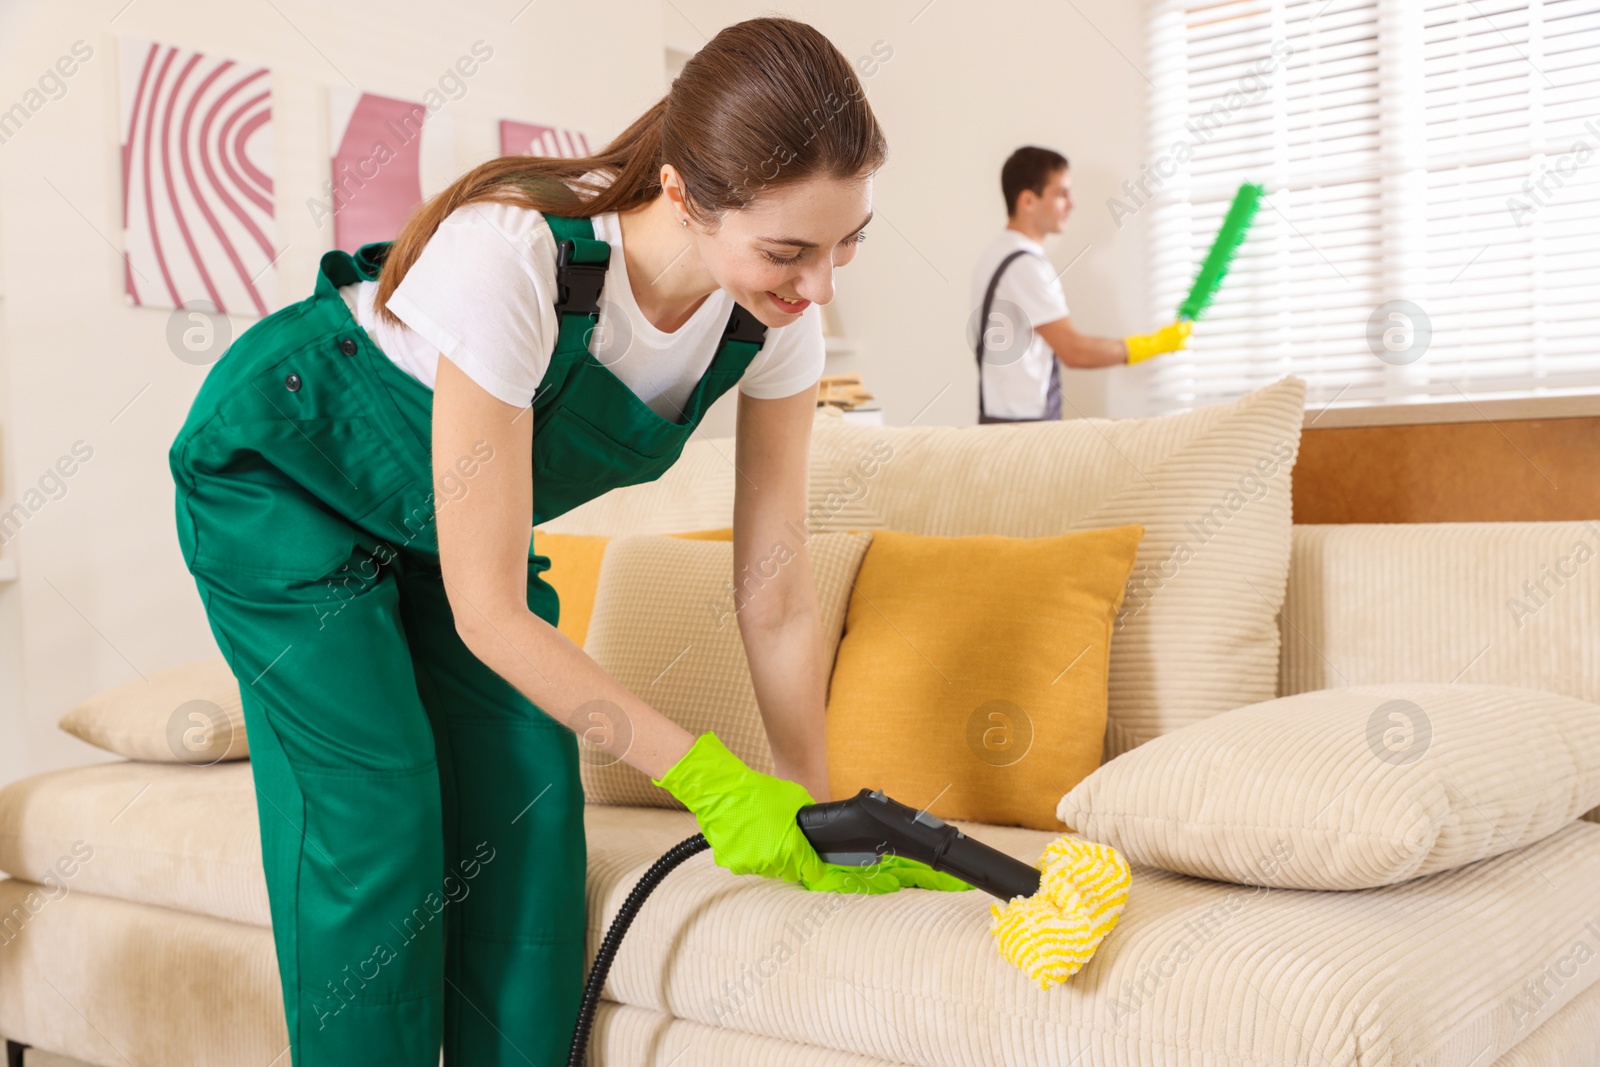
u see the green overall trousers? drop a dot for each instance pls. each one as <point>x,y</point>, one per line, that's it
<point>421,820</point>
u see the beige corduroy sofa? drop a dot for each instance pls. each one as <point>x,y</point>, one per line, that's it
<point>158,952</point>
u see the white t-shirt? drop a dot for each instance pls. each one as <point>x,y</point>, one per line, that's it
<point>1016,361</point>
<point>483,292</point>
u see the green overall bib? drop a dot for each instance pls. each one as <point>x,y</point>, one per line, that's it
<point>421,820</point>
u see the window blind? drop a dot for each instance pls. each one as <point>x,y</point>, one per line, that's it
<point>1431,228</point>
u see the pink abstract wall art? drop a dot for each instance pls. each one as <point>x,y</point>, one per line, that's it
<point>387,155</point>
<point>197,180</point>
<point>530,139</point>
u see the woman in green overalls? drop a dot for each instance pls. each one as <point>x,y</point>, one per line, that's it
<point>409,703</point>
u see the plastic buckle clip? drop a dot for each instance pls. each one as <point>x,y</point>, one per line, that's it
<point>578,285</point>
<point>743,326</point>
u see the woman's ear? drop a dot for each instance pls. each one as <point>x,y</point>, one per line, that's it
<point>672,186</point>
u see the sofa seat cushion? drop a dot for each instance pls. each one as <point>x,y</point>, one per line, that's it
<point>625,1036</point>
<point>1459,964</point>
<point>1195,972</point>
<point>218,1005</point>
<point>156,833</point>
<point>111,982</point>
<point>1477,956</point>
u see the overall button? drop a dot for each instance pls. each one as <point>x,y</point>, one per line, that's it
<point>347,346</point>
<point>292,383</point>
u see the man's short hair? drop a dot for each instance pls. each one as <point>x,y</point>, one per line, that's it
<point>1029,167</point>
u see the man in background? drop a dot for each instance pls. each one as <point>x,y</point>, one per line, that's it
<point>1025,331</point>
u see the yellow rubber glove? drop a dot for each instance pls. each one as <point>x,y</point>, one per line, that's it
<point>749,819</point>
<point>1169,338</point>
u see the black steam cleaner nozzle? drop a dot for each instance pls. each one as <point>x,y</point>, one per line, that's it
<point>856,832</point>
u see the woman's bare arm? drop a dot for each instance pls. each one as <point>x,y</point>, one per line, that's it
<point>779,618</point>
<point>485,526</point>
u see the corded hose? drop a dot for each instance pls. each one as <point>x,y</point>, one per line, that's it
<point>613,939</point>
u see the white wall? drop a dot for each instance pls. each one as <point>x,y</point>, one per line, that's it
<point>103,595</point>
<point>967,84</point>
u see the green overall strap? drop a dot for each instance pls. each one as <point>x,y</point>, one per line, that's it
<point>581,262</point>
<point>591,432</point>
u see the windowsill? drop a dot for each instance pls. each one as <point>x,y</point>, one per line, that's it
<point>1502,410</point>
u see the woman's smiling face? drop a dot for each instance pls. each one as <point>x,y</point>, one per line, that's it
<point>785,245</point>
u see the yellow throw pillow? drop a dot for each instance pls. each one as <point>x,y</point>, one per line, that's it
<point>575,572</point>
<point>666,626</point>
<point>971,678</point>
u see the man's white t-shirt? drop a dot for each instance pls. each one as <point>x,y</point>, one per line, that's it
<point>483,290</point>
<point>1016,364</point>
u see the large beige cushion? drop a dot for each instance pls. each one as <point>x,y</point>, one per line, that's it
<point>185,714</point>
<point>666,625</point>
<point>1197,632</point>
<point>1349,788</point>
<point>695,493</point>
<point>1503,603</point>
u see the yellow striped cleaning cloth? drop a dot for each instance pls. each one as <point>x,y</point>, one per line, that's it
<point>1050,935</point>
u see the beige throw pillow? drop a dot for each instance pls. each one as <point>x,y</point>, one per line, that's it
<point>1349,788</point>
<point>186,714</point>
<point>1197,633</point>
<point>665,625</point>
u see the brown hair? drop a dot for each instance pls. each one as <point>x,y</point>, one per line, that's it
<point>767,102</point>
<point>1028,168</point>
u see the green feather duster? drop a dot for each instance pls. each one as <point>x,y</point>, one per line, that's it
<point>1229,237</point>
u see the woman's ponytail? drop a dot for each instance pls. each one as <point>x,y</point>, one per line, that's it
<point>766,102</point>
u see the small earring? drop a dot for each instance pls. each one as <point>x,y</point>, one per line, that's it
<point>683,222</point>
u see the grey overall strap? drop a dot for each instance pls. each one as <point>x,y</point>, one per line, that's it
<point>1053,399</point>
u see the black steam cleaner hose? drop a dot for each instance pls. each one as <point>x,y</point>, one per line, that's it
<point>856,832</point>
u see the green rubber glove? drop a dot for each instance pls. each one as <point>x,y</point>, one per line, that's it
<point>749,819</point>
<point>887,875</point>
